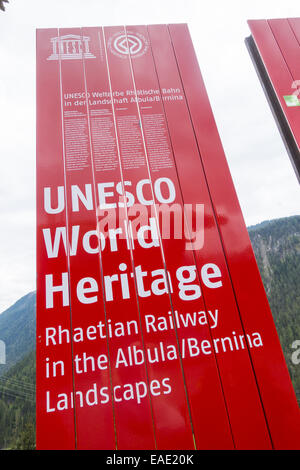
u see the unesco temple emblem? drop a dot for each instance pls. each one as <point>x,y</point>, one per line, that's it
<point>70,46</point>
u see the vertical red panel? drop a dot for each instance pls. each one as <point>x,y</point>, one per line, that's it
<point>132,406</point>
<point>169,403</point>
<point>93,400</point>
<point>288,45</point>
<point>55,429</point>
<point>295,25</point>
<point>209,415</point>
<point>235,367</point>
<point>272,376</point>
<point>277,69</point>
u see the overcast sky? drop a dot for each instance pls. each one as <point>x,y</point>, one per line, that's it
<point>264,179</point>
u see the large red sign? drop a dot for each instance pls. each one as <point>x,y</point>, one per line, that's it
<point>275,48</point>
<point>153,327</point>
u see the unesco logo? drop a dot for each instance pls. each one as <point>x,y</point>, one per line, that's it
<point>122,45</point>
<point>70,46</point>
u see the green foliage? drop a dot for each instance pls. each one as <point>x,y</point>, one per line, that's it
<point>26,440</point>
<point>17,405</point>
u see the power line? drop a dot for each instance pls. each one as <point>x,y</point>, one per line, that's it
<point>17,383</point>
<point>14,395</point>
<point>10,386</point>
<point>21,382</point>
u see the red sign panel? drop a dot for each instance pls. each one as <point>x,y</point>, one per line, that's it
<point>153,327</point>
<point>275,49</point>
